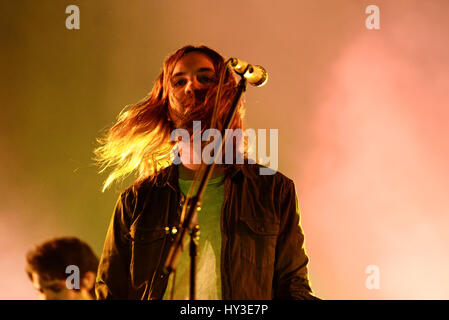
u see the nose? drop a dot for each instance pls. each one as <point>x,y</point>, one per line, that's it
<point>190,87</point>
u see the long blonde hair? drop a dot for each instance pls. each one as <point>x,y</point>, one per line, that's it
<point>140,139</point>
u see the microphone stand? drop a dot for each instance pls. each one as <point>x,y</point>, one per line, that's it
<point>192,205</point>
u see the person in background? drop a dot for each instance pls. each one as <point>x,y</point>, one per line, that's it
<point>63,269</point>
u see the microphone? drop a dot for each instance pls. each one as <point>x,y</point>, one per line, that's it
<point>255,75</point>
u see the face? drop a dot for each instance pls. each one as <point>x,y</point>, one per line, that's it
<point>56,289</point>
<point>192,76</point>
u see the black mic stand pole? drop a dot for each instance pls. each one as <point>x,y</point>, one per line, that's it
<point>192,204</point>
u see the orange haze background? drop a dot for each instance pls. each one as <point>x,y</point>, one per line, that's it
<point>362,118</point>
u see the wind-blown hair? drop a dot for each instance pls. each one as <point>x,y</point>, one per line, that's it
<point>140,139</point>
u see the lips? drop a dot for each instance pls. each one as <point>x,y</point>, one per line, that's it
<point>200,95</point>
<point>194,108</point>
<point>194,101</point>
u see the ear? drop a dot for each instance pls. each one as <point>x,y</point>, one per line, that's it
<point>88,280</point>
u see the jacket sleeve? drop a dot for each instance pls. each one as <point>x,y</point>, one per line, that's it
<point>113,271</point>
<point>291,279</point>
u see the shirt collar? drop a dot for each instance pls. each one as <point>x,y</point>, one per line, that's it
<point>169,176</point>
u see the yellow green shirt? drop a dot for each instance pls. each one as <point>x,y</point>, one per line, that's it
<point>208,276</point>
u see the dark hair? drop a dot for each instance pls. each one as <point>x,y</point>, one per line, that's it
<point>50,258</point>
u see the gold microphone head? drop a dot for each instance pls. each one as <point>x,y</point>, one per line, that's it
<point>256,75</point>
<point>238,65</point>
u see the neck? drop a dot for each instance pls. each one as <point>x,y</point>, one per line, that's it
<point>187,171</point>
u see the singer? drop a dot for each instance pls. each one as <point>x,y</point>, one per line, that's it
<point>251,244</point>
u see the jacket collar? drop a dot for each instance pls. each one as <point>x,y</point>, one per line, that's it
<point>170,175</point>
